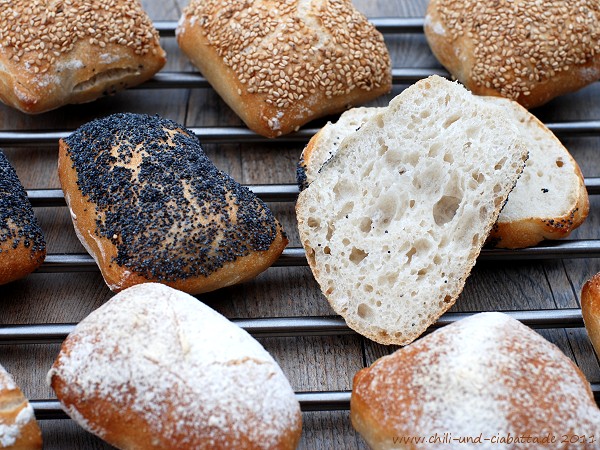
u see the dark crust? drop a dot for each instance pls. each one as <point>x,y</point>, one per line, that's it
<point>158,232</point>
<point>18,223</point>
<point>301,178</point>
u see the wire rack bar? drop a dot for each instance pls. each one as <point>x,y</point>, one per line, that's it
<point>277,327</point>
<point>385,25</point>
<point>295,256</point>
<point>237,135</point>
<point>266,192</point>
<point>309,401</point>
<point>193,80</point>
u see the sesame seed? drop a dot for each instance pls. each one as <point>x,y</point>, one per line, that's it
<point>280,51</point>
<point>25,33</point>
<point>538,39</point>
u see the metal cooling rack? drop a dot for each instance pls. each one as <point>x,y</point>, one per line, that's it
<point>290,326</point>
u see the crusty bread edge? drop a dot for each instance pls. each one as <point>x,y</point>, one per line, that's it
<point>118,278</point>
<point>470,260</point>
<point>23,92</point>
<point>453,55</point>
<point>260,117</point>
<point>590,309</point>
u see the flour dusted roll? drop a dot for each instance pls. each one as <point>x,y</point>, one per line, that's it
<point>154,368</point>
<point>57,52</point>
<point>22,244</point>
<point>149,205</point>
<point>487,378</point>
<point>525,50</point>
<point>18,427</point>
<point>279,65</point>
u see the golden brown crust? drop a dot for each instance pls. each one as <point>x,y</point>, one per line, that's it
<point>590,309</point>
<point>22,244</point>
<point>18,427</point>
<point>490,377</point>
<point>77,54</point>
<point>16,263</point>
<point>155,369</point>
<point>532,58</point>
<point>296,70</point>
<point>118,277</point>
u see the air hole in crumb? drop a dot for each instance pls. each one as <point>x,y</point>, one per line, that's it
<point>380,122</point>
<point>410,254</point>
<point>434,149</point>
<point>312,222</point>
<point>378,303</point>
<point>445,209</point>
<point>364,311</point>
<point>346,241</point>
<point>559,163</point>
<point>478,176</point>
<point>476,239</point>
<point>327,250</point>
<point>411,204</point>
<point>369,288</point>
<point>500,164</point>
<point>357,255</point>
<point>330,230</point>
<point>497,188</point>
<point>365,224</point>
<point>450,120</point>
<point>449,158</point>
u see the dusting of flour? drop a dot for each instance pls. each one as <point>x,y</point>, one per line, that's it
<point>163,353</point>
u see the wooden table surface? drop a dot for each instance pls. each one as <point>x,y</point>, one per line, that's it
<point>313,363</point>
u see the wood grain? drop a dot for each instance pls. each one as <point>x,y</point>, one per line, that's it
<point>311,363</point>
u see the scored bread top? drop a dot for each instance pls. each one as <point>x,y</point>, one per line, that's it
<point>549,201</point>
<point>525,50</point>
<point>56,52</point>
<point>393,223</point>
<point>282,64</point>
<point>485,375</point>
<point>149,205</point>
<point>22,244</point>
<point>156,368</point>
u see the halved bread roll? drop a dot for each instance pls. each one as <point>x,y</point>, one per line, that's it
<point>395,220</point>
<point>549,201</point>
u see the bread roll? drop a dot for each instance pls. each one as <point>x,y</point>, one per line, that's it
<point>154,368</point>
<point>22,244</point>
<point>395,220</point>
<point>525,50</point>
<point>57,52</point>
<point>549,201</point>
<point>488,378</point>
<point>590,309</point>
<point>280,65</point>
<point>149,205</point>
<point>18,427</point>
